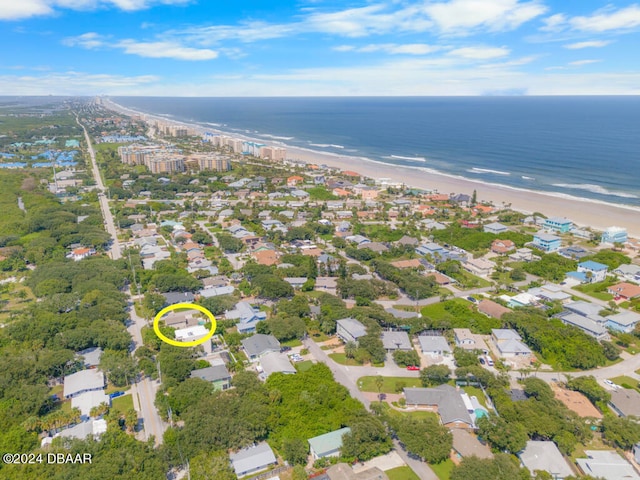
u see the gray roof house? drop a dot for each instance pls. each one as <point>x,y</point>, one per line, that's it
<point>434,345</point>
<point>327,445</point>
<point>83,381</point>
<point>606,464</point>
<point>545,456</point>
<point>172,298</point>
<point>625,402</point>
<point>452,409</point>
<point>217,374</point>
<point>509,343</point>
<point>350,330</point>
<point>91,356</point>
<point>252,459</point>
<point>273,362</point>
<point>260,344</point>
<point>396,341</point>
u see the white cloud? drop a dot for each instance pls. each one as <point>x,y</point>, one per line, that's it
<point>89,40</point>
<point>14,10</point>
<point>480,52</point>
<point>463,16</point>
<point>392,48</point>
<point>158,49</point>
<point>74,83</point>
<point>579,63</point>
<point>20,9</point>
<point>608,19</point>
<point>588,44</point>
<point>166,50</point>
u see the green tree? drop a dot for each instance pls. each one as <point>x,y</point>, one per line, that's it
<point>435,375</point>
<point>295,451</point>
<point>211,466</point>
<point>368,439</point>
<point>502,467</point>
<point>119,366</point>
<point>425,438</point>
<point>502,435</point>
<point>620,432</point>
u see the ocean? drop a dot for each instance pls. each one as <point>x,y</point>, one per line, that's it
<point>586,147</point>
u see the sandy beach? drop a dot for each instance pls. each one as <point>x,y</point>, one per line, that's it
<point>582,211</point>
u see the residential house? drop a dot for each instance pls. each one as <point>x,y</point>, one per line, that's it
<point>274,362</point>
<point>350,330</point>
<point>589,325</point>
<point>607,465</point>
<point>502,247</point>
<point>546,242</point>
<point>218,375</point>
<point>441,278</point>
<point>295,282</point>
<point>171,298</point>
<point>434,345</point>
<point>247,316</point>
<point>326,283</point>
<point>81,253</point>
<point>447,401</point>
<point>522,255</point>
<point>625,402</point>
<point>252,459</point>
<point>466,444</point>
<point>593,271</point>
<point>191,334</point>
<point>327,445</point>
<point>342,471</point>
<point>83,381</point>
<point>259,344</point>
<point>266,257</point>
<point>628,272</point>
<point>216,291</point>
<point>550,292</point>
<point>89,428</point>
<point>509,343</point>
<point>396,340</point>
<point>294,180</point>
<point>377,247</point>
<point>574,252</point>
<point>469,341</point>
<point>613,235</point>
<point>625,321</point>
<point>91,356</point>
<point>479,266</point>
<point>492,309</point>
<point>541,455</point>
<point>86,401</point>
<point>558,224</point>
<point>624,290</point>
<point>495,228</point>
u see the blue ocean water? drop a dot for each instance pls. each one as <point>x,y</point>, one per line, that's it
<point>583,146</point>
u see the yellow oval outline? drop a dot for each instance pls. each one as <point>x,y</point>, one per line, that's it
<point>182,306</point>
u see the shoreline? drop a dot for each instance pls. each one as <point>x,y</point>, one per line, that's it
<point>584,212</point>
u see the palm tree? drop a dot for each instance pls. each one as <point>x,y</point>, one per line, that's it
<point>32,424</point>
<point>130,420</point>
<point>350,349</point>
<point>379,382</point>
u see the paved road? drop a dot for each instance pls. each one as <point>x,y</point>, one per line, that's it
<point>145,389</point>
<point>114,250</point>
<point>348,376</point>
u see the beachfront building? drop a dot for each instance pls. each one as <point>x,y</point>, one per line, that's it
<point>558,224</point>
<point>614,235</point>
<point>546,242</point>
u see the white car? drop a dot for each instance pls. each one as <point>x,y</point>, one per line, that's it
<point>611,384</point>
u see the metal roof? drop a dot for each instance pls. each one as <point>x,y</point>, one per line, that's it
<point>328,442</point>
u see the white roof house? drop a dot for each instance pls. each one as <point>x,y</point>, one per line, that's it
<point>350,329</point>
<point>83,381</point>
<point>545,456</point>
<point>252,459</point>
<point>84,429</point>
<point>274,362</point>
<point>396,341</point>
<point>434,345</point>
<point>87,400</point>
<point>606,464</point>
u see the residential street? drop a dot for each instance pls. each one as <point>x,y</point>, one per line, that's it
<point>145,389</point>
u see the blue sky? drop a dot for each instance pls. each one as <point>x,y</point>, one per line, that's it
<point>318,47</point>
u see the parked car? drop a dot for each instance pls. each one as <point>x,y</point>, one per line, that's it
<point>611,384</point>
<point>472,300</point>
<point>413,368</point>
<point>285,349</point>
<point>116,394</point>
<point>489,361</point>
<point>482,362</point>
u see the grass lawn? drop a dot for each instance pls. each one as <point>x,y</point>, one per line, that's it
<point>368,384</point>
<point>342,359</point>
<point>443,470</point>
<point>401,473</point>
<point>303,366</point>
<point>319,337</point>
<point>57,390</point>
<point>597,290</point>
<point>632,382</point>
<point>471,391</point>
<point>122,404</point>
<point>291,343</point>
<point>112,388</point>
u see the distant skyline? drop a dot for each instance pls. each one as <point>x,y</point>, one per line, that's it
<point>319,47</point>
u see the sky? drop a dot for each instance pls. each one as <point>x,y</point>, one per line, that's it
<point>319,47</point>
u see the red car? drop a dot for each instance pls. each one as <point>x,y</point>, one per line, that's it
<point>413,367</point>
